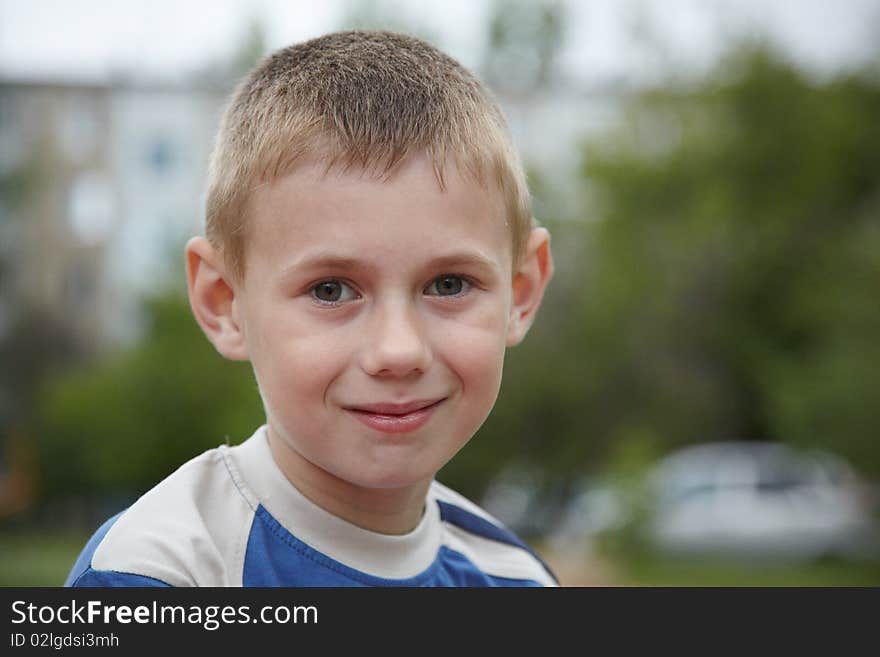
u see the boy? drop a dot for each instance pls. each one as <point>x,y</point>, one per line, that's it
<point>370,250</point>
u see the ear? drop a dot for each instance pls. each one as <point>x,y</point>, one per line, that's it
<point>529,282</point>
<point>212,299</point>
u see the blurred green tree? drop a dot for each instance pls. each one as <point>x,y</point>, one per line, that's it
<point>737,264</point>
<point>121,426</point>
<point>34,342</point>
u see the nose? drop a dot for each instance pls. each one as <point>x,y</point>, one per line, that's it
<point>396,344</point>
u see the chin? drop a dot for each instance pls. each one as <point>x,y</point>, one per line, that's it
<point>388,479</point>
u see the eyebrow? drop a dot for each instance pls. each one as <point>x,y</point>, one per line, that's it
<point>327,260</point>
<point>464,259</point>
<point>323,260</point>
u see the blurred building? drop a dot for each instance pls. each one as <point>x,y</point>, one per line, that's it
<point>548,125</point>
<point>98,183</point>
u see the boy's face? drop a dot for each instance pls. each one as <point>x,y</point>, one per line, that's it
<point>376,316</point>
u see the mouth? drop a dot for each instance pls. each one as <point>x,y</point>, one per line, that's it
<point>396,418</point>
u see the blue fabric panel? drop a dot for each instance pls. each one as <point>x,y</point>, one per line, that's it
<point>275,557</point>
<point>474,524</point>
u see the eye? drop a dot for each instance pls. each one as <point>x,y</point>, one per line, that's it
<point>448,286</point>
<point>332,291</point>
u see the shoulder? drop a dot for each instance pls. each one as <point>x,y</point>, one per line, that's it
<point>189,530</point>
<point>485,540</point>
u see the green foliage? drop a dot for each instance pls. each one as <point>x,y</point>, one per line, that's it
<point>736,265</point>
<point>130,421</point>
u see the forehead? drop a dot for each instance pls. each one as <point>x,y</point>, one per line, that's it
<point>355,213</point>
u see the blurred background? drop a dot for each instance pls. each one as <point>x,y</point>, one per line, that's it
<point>698,403</point>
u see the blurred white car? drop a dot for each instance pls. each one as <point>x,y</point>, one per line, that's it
<point>761,499</point>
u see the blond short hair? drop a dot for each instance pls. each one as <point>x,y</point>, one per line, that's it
<point>357,99</point>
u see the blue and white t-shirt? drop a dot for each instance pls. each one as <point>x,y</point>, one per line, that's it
<point>231,518</point>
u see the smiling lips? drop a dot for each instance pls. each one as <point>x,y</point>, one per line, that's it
<point>395,418</point>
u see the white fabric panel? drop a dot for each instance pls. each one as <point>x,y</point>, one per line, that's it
<point>189,530</point>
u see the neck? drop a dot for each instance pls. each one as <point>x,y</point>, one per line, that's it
<point>383,510</point>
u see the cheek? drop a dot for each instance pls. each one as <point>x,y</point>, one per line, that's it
<point>476,356</point>
<point>477,366</point>
<point>291,364</point>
